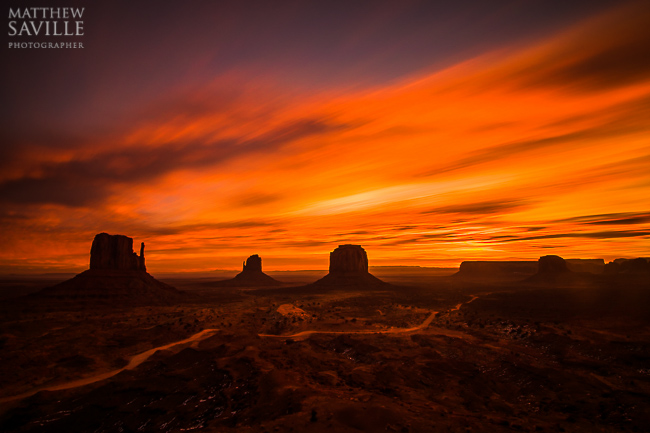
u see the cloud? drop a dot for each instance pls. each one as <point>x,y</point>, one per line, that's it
<point>591,235</point>
<point>59,188</point>
<point>204,228</point>
<point>619,218</point>
<point>549,135</point>
<point>255,199</point>
<point>84,181</point>
<point>610,52</point>
<point>630,118</point>
<point>481,208</point>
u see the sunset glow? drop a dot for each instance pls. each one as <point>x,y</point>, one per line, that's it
<point>538,146</point>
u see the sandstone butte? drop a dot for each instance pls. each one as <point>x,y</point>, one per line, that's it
<point>251,275</point>
<point>349,267</point>
<point>116,272</point>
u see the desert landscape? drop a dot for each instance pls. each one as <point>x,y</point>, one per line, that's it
<point>490,347</point>
<point>235,216</point>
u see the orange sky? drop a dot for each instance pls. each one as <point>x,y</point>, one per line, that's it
<point>530,149</point>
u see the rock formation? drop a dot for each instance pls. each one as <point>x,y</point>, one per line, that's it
<point>496,270</point>
<point>349,267</point>
<point>639,265</point>
<point>251,275</point>
<point>552,265</point>
<point>595,266</point>
<point>348,260</point>
<point>554,271</point>
<point>551,270</point>
<point>516,270</point>
<point>116,273</point>
<point>253,264</point>
<point>115,252</point>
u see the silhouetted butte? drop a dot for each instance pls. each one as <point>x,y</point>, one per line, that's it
<point>116,272</point>
<point>349,267</point>
<point>251,275</point>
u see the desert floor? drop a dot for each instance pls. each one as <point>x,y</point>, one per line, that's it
<point>431,353</point>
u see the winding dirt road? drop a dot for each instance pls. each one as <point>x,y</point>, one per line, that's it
<point>140,358</point>
<point>134,362</point>
<point>306,334</point>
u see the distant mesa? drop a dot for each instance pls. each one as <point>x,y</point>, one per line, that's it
<point>595,266</point>
<point>552,265</point>
<point>635,266</point>
<point>640,265</point>
<point>554,270</point>
<point>116,273</point>
<point>518,270</point>
<point>251,275</point>
<point>497,270</point>
<point>349,267</point>
<point>551,269</point>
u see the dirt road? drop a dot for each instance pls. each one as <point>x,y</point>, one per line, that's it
<point>134,362</point>
<point>306,334</point>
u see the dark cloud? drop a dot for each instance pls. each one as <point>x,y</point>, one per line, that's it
<point>438,236</point>
<point>612,218</point>
<point>622,57</point>
<point>626,118</point>
<point>634,220</point>
<point>13,216</point>
<point>83,181</point>
<point>357,232</point>
<point>502,237</point>
<point>189,228</point>
<point>506,150</point>
<point>64,189</point>
<point>138,52</point>
<point>480,208</point>
<point>397,242</point>
<point>312,243</point>
<point>629,170</point>
<point>592,235</point>
<point>255,199</point>
<point>448,237</point>
<point>404,228</point>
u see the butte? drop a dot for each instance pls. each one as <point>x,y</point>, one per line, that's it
<point>116,275</point>
<point>250,276</point>
<point>349,269</point>
<point>553,270</point>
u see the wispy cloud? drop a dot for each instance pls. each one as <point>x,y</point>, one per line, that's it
<point>620,218</point>
<point>90,179</point>
<point>504,155</point>
<point>481,208</point>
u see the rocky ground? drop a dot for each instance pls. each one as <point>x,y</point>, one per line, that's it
<point>495,357</point>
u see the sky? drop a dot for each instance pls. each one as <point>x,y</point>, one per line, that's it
<point>428,132</point>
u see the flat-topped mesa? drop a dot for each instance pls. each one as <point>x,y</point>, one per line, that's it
<point>496,270</point>
<point>639,265</point>
<point>348,268</point>
<point>115,252</point>
<point>253,264</point>
<point>552,265</point>
<point>594,266</point>
<point>348,260</point>
<point>554,270</point>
